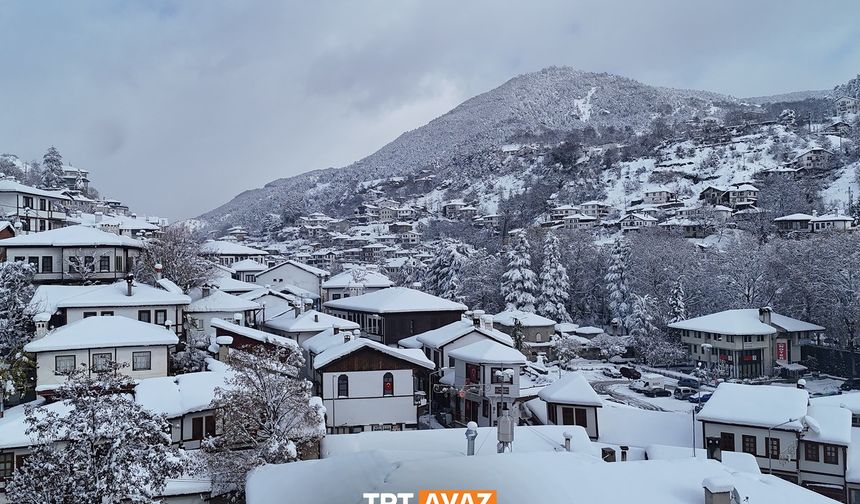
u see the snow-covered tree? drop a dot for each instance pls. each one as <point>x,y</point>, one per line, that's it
<point>653,345</point>
<point>616,282</point>
<point>52,169</point>
<point>518,334</point>
<point>192,357</point>
<point>180,256</point>
<point>565,347</point>
<point>609,346</point>
<point>519,282</point>
<point>788,117</point>
<point>267,413</point>
<point>16,325</point>
<point>677,302</point>
<point>83,265</point>
<point>112,451</point>
<point>555,284</point>
<point>442,276</point>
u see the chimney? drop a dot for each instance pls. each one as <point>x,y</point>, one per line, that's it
<point>129,279</point>
<point>764,314</point>
<point>237,318</point>
<point>316,317</point>
<point>607,454</point>
<point>471,434</point>
<point>718,490</point>
<point>205,290</point>
<point>98,217</point>
<point>567,437</point>
<point>801,383</point>
<point>158,269</point>
<point>487,322</point>
<point>476,317</point>
<point>467,315</point>
<point>347,336</point>
<point>41,320</point>
<point>624,449</point>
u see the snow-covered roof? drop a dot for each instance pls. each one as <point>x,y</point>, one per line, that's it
<point>832,425</point>
<point>488,352</point>
<point>744,187</point>
<point>72,236</point>
<point>849,400</point>
<point>518,477</point>
<point>832,218</point>
<point>169,286</point>
<point>640,216</point>
<point>230,284</point>
<point>321,342</point>
<point>50,298</point>
<point>527,319</point>
<point>756,405</point>
<point>794,217</point>
<point>743,322</point>
<point>566,327</point>
<point>254,334</point>
<point>248,265</point>
<point>309,321</point>
<point>410,342</point>
<point>411,355</point>
<point>306,267</point>
<point>102,332</point>
<point>589,330</point>
<point>223,247</point>
<point>9,185</point>
<point>174,396</point>
<point>395,300</point>
<point>441,336</point>
<point>358,278</point>
<point>220,301</point>
<point>572,388</point>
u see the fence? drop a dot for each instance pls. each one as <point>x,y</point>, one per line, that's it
<point>828,360</point>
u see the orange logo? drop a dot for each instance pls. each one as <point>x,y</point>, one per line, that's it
<point>456,497</point>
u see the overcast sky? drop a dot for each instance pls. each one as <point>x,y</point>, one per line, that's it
<point>175,107</point>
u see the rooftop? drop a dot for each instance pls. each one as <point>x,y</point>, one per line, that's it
<point>743,322</point>
<point>764,406</point>
<point>72,236</point>
<point>573,388</point>
<point>309,321</point>
<point>488,352</point>
<point>333,353</point>
<point>102,332</point>
<point>222,247</point>
<point>50,298</point>
<point>527,319</point>
<point>358,277</point>
<point>219,301</point>
<point>395,300</point>
<point>442,336</point>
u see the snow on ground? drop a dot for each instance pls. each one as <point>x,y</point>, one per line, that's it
<point>836,195</point>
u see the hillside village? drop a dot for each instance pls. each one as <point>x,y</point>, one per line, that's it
<point>634,323</point>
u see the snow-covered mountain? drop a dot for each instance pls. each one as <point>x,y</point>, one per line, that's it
<point>553,100</point>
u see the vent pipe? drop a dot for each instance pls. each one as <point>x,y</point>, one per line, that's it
<point>471,435</point>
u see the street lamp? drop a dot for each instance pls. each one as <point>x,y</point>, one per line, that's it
<point>707,347</point>
<point>807,423</point>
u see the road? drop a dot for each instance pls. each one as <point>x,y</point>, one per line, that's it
<point>607,387</point>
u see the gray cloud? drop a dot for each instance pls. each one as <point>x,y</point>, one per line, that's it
<point>177,106</point>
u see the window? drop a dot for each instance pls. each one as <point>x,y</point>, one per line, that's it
<point>42,225</point>
<point>101,361</point>
<point>202,427</point>
<point>47,264</point>
<point>160,317</point>
<point>727,441</point>
<point>90,314</point>
<point>748,444</point>
<point>43,205</point>
<point>498,375</point>
<point>118,262</point>
<point>144,316</point>
<point>34,262</point>
<point>473,374</point>
<point>7,464</point>
<point>104,263</point>
<point>388,384</point>
<point>335,296</point>
<point>28,202</point>
<point>107,314</point>
<point>64,363</point>
<point>810,451</point>
<point>773,447</point>
<point>831,454</point>
<point>141,361</point>
<point>19,259</point>
<point>567,416</point>
<point>343,386</point>
<point>552,414</point>
<point>581,417</point>
<point>485,408</point>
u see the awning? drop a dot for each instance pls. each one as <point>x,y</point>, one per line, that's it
<point>791,366</point>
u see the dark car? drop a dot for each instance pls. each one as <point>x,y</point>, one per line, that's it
<point>688,382</point>
<point>847,385</point>
<point>629,372</point>
<point>657,392</point>
<point>701,397</point>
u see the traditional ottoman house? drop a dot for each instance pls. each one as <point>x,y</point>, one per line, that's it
<point>570,400</point>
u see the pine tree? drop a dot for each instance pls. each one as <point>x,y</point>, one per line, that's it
<point>16,325</point>
<point>268,416</point>
<point>52,169</point>
<point>112,450</point>
<point>677,305</point>
<point>555,283</point>
<point>565,347</point>
<point>653,345</point>
<point>519,334</point>
<point>519,282</point>
<point>616,282</point>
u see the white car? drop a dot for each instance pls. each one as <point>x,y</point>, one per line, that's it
<point>612,373</point>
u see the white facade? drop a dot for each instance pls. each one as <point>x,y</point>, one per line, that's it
<point>292,273</point>
<point>47,374</point>
<point>365,407</point>
<point>55,264</point>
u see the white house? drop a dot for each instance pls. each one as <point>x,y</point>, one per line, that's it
<point>98,341</point>
<point>578,221</point>
<point>749,342</point>
<point>488,373</point>
<point>227,252</point>
<point>73,254</point>
<point>65,304</point>
<point>247,270</point>
<point>596,209</point>
<point>367,386</point>
<point>301,275</point>
<point>354,282</point>
<point>847,105</point>
<point>659,196</point>
<point>218,305</point>
<point>36,209</point>
<point>301,326</point>
<point>830,222</point>
<point>812,159</point>
<point>743,195</point>
<point>570,400</point>
<point>273,303</point>
<point>437,343</point>
<point>537,330</point>
<point>635,221</point>
<point>794,222</point>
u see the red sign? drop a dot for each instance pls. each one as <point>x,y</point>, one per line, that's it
<point>781,350</point>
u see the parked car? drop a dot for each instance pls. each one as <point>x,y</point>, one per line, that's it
<point>689,382</point>
<point>700,397</point>
<point>649,382</point>
<point>630,373</point>
<point>684,393</point>
<point>612,373</point>
<point>657,392</point>
<point>852,384</point>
